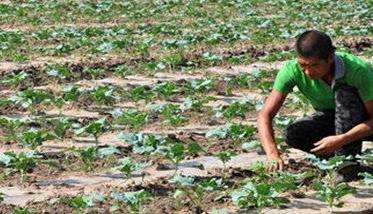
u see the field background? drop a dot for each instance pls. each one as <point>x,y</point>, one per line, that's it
<point>104,97</point>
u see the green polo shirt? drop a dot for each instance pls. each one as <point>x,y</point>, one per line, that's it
<point>349,69</point>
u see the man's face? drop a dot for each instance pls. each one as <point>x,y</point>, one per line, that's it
<point>314,67</point>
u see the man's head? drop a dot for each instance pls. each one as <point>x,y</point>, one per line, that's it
<point>315,53</point>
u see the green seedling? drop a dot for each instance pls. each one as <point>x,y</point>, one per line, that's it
<point>194,191</point>
<point>127,166</point>
<point>235,109</point>
<point>132,117</point>
<point>29,98</point>
<point>95,128</point>
<point>14,80</point>
<point>258,195</point>
<point>133,199</point>
<point>79,203</point>
<point>175,154</point>
<point>88,156</point>
<point>58,71</point>
<point>12,126</point>
<point>103,95</point>
<point>143,143</point>
<point>71,93</point>
<point>61,126</point>
<point>166,89</point>
<point>94,73</point>
<point>34,137</point>
<point>327,189</point>
<point>22,162</point>
<point>172,114</point>
<point>141,93</point>
<point>225,157</point>
<point>367,178</point>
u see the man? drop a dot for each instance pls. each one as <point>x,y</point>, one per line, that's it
<point>339,87</point>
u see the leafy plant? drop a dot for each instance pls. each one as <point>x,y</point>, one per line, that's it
<point>127,166</point>
<point>327,189</point>
<point>81,202</point>
<point>193,190</point>
<point>235,131</point>
<point>133,199</point>
<point>29,98</point>
<point>141,93</point>
<point>144,143</point>
<point>166,89</point>
<point>11,125</point>
<point>61,126</point>
<point>175,154</point>
<point>21,162</point>
<point>367,178</point>
<point>171,114</point>
<point>14,80</point>
<point>257,195</point>
<point>34,137</point>
<point>225,156</point>
<point>58,71</point>
<point>132,117</point>
<point>71,93</point>
<point>95,128</point>
<point>103,94</point>
<point>88,156</point>
<point>235,109</point>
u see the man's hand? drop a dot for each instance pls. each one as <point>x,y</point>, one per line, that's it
<point>274,163</point>
<point>328,145</point>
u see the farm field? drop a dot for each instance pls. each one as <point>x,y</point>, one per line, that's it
<point>150,106</point>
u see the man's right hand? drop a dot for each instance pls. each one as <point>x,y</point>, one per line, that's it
<point>274,163</point>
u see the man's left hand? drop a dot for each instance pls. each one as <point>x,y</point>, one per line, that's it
<point>328,145</point>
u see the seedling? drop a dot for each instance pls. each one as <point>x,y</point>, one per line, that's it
<point>258,195</point>
<point>14,80</point>
<point>127,166</point>
<point>29,98</point>
<point>133,199</point>
<point>88,156</point>
<point>143,143</point>
<point>194,191</point>
<point>166,89</point>
<point>11,125</point>
<point>172,114</point>
<point>61,126</point>
<point>34,137</point>
<point>328,190</point>
<point>95,128</point>
<point>71,93</point>
<point>22,162</point>
<point>103,95</point>
<point>141,93</point>
<point>132,117</point>
<point>175,154</point>
<point>58,71</point>
<point>225,157</point>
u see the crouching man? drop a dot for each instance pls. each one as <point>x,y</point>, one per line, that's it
<point>340,88</point>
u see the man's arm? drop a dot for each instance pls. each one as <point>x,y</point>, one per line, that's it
<point>271,106</point>
<point>329,144</point>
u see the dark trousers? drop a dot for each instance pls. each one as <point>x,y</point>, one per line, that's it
<point>349,112</point>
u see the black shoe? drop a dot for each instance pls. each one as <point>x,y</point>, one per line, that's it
<point>350,172</point>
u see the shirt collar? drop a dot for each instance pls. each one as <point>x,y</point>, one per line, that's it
<point>339,70</point>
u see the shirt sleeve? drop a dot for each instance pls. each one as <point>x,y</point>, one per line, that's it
<point>364,82</point>
<point>284,81</point>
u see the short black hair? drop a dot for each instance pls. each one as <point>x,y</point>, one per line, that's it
<point>313,43</point>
